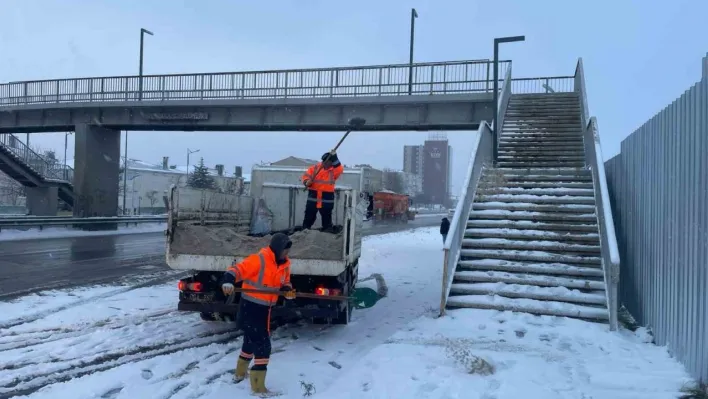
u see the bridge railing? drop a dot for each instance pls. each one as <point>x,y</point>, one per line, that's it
<point>382,80</point>
<point>41,165</point>
<point>550,84</point>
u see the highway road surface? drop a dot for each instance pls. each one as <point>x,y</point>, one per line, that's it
<point>34,265</point>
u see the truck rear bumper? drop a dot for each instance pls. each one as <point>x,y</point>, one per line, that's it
<point>277,311</point>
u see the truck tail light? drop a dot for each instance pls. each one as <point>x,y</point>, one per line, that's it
<point>196,287</point>
<point>327,291</point>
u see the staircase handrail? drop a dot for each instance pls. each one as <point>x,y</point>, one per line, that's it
<point>504,96</point>
<point>38,163</point>
<point>481,155</point>
<point>608,237</point>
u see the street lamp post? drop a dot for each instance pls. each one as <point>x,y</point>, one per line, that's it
<point>497,41</point>
<point>414,15</point>
<point>66,144</point>
<point>189,152</point>
<point>132,191</point>
<point>143,31</point>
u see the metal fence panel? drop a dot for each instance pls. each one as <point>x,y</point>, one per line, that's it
<point>659,191</point>
<point>382,80</point>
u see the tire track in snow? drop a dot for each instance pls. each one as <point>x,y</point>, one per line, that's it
<point>31,338</point>
<point>42,314</point>
<point>29,384</point>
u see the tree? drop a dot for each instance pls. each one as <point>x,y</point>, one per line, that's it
<point>50,156</point>
<point>152,197</point>
<point>200,178</point>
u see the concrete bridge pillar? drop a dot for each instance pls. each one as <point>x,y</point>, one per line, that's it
<point>42,201</point>
<point>96,169</point>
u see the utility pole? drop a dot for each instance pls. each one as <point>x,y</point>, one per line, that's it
<point>140,72</point>
<point>188,153</point>
<point>125,170</point>
<point>414,15</point>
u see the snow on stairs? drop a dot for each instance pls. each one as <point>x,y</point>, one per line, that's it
<point>531,243</point>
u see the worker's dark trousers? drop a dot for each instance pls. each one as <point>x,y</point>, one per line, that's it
<point>311,214</point>
<point>254,320</point>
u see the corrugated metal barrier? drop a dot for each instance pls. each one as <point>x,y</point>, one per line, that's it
<point>659,192</point>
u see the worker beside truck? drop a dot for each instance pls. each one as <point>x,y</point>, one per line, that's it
<point>268,270</point>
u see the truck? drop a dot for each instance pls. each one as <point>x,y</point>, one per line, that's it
<point>389,206</point>
<point>209,231</point>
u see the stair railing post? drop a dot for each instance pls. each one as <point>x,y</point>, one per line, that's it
<point>509,39</point>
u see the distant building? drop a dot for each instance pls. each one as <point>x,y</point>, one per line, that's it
<point>432,161</point>
<point>147,183</point>
<point>373,178</point>
<point>413,159</point>
<point>294,161</point>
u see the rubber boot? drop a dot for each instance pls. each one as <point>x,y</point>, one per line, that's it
<point>241,369</point>
<point>258,381</point>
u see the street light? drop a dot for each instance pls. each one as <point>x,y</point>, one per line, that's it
<point>66,144</point>
<point>132,191</point>
<point>497,41</point>
<point>140,72</point>
<point>414,15</point>
<point>188,153</point>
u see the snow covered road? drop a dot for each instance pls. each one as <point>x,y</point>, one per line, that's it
<point>129,342</point>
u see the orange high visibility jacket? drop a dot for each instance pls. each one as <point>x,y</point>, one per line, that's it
<point>322,188</point>
<point>260,271</point>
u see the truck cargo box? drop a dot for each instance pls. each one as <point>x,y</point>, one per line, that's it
<point>208,231</point>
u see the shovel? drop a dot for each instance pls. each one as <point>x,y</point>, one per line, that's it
<point>353,123</point>
<point>361,298</point>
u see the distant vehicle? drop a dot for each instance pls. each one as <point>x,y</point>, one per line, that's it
<point>391,207</point>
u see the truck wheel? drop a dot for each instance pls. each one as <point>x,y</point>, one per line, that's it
<point>207,316</point>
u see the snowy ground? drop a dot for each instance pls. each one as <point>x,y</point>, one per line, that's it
<point>122,342</point>
<point>57,232</point>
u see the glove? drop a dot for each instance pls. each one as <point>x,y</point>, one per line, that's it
<point>288,292</point>
<point>227,288</point>
<point>307,182</point>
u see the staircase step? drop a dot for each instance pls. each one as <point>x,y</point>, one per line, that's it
<point>528,279</point>
<point>528,225</point>
<point>575,151</point>
<point>531,256</point>
<point>531,207</point>
<point>529,292</point>
<point>547,178</point>
<point>541,157</point>
<point>532,306</point>
<point>535,146</point>
<point>536,184</point>
<point>554,191</point>
<point>495,214</point>
<point>569,138</point>
<point>533,268</point>
<point>517,164</point>
<point>517,234</point>
<point>547,246</point>
<point>545,171</point>
<point>535,199</point>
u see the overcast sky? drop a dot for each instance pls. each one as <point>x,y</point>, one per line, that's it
<point>639,55</point>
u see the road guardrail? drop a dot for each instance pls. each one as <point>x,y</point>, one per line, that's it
<point>42,221</point>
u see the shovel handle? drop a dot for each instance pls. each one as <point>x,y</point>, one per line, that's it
<point>297,294</point>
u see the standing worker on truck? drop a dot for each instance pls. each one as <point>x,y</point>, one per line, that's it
<point>268,270</point>
<point>319,181</point>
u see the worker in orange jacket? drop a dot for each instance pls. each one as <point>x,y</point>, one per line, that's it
<point>320,180</point>
<point>268,270</point>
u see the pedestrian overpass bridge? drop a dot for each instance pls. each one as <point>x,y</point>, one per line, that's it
<point>455,95</point>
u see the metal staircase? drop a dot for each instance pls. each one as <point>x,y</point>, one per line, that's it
<point>30,169</point>
<point>531,242</point>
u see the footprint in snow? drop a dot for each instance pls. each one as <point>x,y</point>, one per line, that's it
<point>146,374</point>
<point>112,393</point>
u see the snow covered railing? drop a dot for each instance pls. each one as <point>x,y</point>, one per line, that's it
<point>41,221</point>
<point>594,160</point>
<point>502,103</point>
<point>481,154</point>
<point>608,243</point>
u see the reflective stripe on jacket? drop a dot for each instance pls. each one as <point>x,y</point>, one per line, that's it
<point>322,183</point>
<point>261,272</point>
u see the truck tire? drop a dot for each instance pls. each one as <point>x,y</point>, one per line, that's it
<point>206,316</point>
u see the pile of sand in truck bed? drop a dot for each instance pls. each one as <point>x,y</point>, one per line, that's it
<point>227,241</point>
